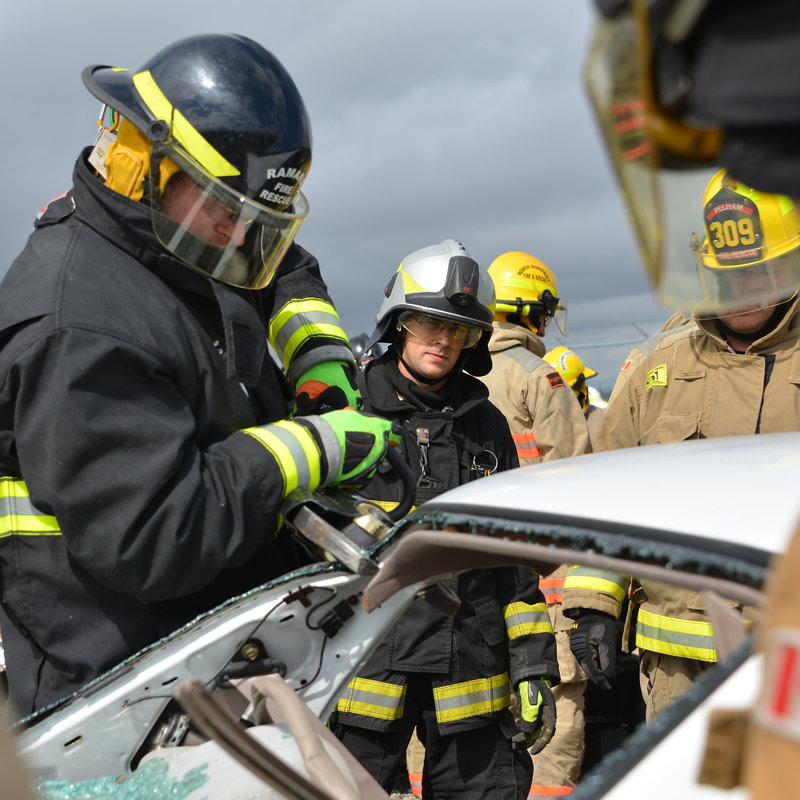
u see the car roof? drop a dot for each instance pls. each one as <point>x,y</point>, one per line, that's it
<point>739,489</point>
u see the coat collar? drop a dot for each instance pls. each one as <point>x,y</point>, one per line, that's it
<point>506,335</point>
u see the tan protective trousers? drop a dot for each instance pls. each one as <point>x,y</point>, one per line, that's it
<point>664,678</point>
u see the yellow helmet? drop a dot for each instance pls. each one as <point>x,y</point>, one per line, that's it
<point>527,287</point>
<point>751,251</point>
<point>572,370</point>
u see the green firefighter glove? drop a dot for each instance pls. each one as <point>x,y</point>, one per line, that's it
<point>593,641</point>
<point>538,712</point>
<point>326,386</point>
<point>352,445</point>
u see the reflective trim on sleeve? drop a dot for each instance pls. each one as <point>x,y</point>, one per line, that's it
<point>526,445</point>
<point>19,516</point>
<point>471,698</point>
<point>553,590</point>
<point>523,619</point>
<point>375,699</point>
<point>675,637</point>
<point>300,320</point>
<point>598,580</point>
<point>295,450</point>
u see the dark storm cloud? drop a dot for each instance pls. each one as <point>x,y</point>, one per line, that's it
<point>430,120</point>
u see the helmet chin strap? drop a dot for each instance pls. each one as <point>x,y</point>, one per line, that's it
<point>516,319</point>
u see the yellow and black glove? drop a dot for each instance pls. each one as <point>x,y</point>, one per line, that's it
<point>538,712</point>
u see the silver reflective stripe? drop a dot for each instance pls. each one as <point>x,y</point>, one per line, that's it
<point>371,698</point>
<point>19,516</point>
<point>676,637</point>
<point>19,506</point>
<point>331,446</point>
<point>471,698</point>
<point>302,319</point>
<point>597,580</point>
<point>522,619</point>
<point>295,451</point>
<point>289,440</point>
<point>689,640</point>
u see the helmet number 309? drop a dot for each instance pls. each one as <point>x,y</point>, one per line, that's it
<point>732,233</point>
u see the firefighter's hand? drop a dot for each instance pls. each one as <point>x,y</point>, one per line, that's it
<point>593,641</point>
<point>351,444</point>
<point>538,712</point>
<point>325,387</point>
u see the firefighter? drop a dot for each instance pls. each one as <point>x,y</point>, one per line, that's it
<point>449,676</point>
<point>575,373</point>
<point>546,423</point>
<point>731,373</point>
<point>731,101</point>
<point>145,439</point>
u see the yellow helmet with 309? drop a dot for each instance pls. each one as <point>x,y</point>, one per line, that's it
<point>751,237</point>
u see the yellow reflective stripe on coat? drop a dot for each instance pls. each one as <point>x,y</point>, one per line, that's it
<point>523,619</point>
<point>675,637</point>
<point>300,320</point>
<point>183,130</point>
<point>19,516</point>
<point>471,698</point>
<point>371,698</point>
<point>294,449</point>
<point>597,580</point>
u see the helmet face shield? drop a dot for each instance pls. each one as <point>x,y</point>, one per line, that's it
<point>639,84</point>
<point>662,202</point>
<point>555,309</point>
<point>732,289</point>
<point>218,231</point>
<point>750,254</point>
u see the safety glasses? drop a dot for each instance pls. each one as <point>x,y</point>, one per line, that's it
<point>433,329</point>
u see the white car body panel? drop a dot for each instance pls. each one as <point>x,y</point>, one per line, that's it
<point>742,489</point>
<point>721,492</point>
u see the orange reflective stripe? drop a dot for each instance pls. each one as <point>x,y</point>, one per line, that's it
<point>526,445</point>
<point>415,779</point>
<point>549,791</point>
<point>552,589</point>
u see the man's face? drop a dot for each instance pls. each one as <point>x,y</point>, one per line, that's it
<point>431,347</point>
<point>747,318</point>
<point>192,207</point>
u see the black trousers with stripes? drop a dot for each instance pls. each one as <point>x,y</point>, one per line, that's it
<point>470,765</point>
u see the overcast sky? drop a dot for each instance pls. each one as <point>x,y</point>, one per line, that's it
<point>431,119</point>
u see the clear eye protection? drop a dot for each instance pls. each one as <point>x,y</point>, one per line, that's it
<point>218,231</point>
<point>433,329</point>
